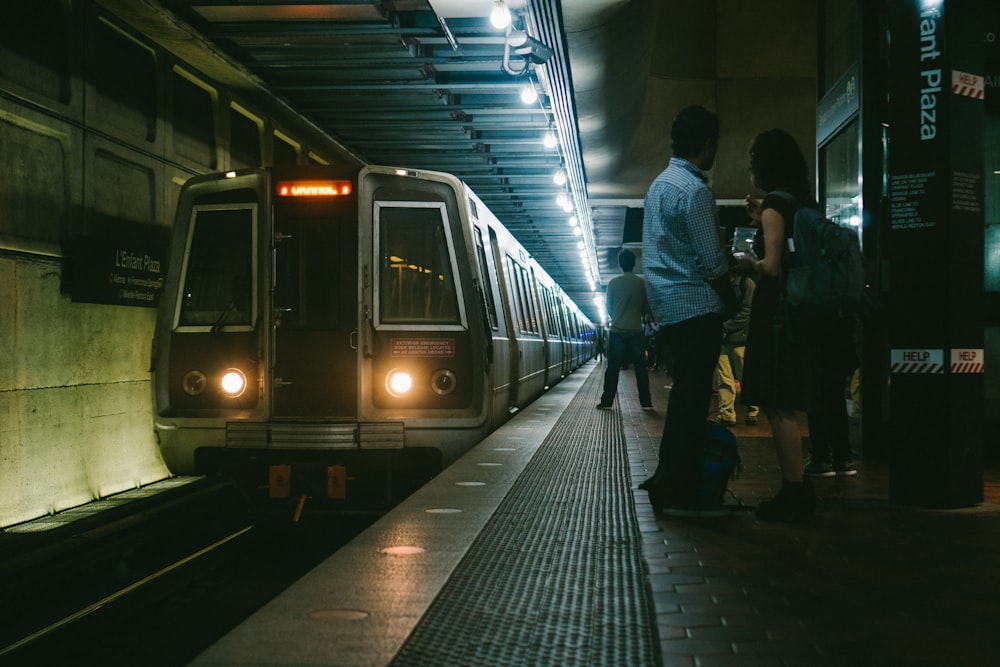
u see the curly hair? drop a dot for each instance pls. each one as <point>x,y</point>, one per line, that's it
<point>776,161</point>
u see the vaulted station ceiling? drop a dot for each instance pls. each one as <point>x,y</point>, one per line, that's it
<point>432,84</point>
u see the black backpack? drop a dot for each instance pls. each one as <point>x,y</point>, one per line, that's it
<point>822,265</point>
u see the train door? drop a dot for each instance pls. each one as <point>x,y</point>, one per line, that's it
<point>510,313</point>
<point>314,309</point>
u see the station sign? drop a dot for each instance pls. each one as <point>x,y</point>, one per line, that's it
<point>127,266</point>
<point>916,361</point>
<point>967,361</point>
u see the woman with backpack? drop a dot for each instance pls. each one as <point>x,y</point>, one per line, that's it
<point>792,353</point>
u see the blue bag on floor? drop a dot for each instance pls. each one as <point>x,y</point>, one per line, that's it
<point>720,462</point>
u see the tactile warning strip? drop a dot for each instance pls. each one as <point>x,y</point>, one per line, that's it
<point>557,575</point>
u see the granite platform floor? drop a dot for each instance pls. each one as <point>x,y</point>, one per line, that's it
<point>866,582</point>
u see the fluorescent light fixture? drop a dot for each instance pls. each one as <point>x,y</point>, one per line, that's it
<point>500,16</point>
<point>528,94</point>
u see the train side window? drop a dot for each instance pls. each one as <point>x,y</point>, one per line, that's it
<point>513,278</point>
<point>527,285</point>
<point>484,279</point>
<point>218,272</point>
<point>416,266</point>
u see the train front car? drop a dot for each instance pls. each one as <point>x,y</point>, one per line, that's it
<point>342,323</point>
<point>425,342</point>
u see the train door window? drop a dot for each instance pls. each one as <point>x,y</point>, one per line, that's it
<point>416,267</point>
<point>515,290</point>
<point>218,273</point>
<point>529,297</point>
<point>244,138</point>
<point>193,106</point>
<point>313,274</point>
<point>484,278</point>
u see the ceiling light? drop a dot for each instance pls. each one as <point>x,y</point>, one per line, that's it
<point>572,221</point>
<point>549,140</point>
<point>559,177</point>
<point>500,16</point>
<point>528,94</point>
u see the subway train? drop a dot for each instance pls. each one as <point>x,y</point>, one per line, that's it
<point>338,336</point>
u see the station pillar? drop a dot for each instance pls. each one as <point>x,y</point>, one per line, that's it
<point>933,259</point>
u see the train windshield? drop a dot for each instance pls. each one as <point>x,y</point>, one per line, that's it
<point>218,280</point>
<point>416,281</point>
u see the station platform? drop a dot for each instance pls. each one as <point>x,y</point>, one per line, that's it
<point>536,548</point>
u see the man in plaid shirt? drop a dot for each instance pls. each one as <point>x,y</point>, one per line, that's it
<point>689,294</point>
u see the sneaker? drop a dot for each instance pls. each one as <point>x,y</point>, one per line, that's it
<point>602,406</point>
<point>845,469</point>
<point>815,469</point>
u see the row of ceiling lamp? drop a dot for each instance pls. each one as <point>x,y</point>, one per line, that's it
<point>501,19</point>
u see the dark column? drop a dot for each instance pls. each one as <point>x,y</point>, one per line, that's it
<point>934,275</point>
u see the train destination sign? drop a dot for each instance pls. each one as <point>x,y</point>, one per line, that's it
<point>314,188</point>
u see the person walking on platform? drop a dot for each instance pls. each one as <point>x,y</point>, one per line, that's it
<point>729,368</point>
<point>792,355</point>
<point>626,302</point>
<point>689,291</point>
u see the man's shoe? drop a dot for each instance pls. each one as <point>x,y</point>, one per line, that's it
<point>750,421</point>
<point>815,469</point>
<point>844,469</point>
<point>722,422</point>
<point>647,407</point>
<point>602,406</point>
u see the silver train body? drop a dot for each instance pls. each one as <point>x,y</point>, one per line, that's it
<point>341,337</point>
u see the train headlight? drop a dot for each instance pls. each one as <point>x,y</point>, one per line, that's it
<point>234,382</point>
<point>398,383</point>
<point>194,383</point>
<point>443,382</point>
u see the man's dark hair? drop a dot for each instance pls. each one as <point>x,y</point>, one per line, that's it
<point>692,127</point>
<point>626,260</point>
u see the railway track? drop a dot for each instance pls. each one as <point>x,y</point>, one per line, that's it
<point>159,585</point>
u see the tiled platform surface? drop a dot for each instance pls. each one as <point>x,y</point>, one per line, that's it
<point>866,582</point>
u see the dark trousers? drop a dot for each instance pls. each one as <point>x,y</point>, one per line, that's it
<point>626,347</point>
<point>695,344</point>
<point>829,436</point>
